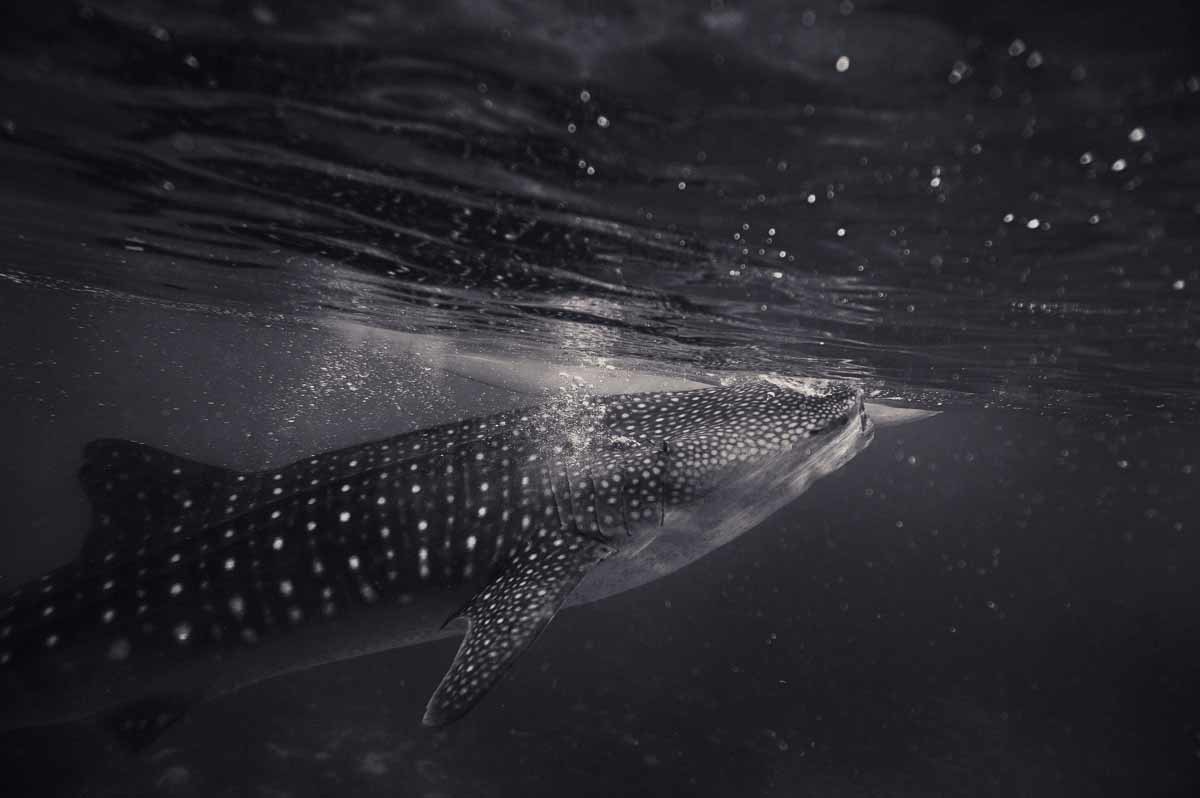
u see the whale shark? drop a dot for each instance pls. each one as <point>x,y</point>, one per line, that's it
<point>195,580</point>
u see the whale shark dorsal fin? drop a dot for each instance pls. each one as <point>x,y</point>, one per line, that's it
<point>505,617</point>
<point>139,493</point>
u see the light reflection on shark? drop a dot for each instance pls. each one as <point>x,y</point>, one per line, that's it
<point>196,581</point>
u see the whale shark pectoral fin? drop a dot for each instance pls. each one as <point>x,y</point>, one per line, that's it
<point>506,616</point>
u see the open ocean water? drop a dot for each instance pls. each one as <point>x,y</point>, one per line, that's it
<point>247,233</point>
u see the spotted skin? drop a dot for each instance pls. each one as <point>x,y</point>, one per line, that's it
<point>195,580</point>
<point>507,615</point>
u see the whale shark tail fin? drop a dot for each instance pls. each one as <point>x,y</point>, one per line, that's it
<point>140,494</point>
<point>506,616</point>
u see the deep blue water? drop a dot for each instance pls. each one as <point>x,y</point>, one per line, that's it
<point>247,232</point>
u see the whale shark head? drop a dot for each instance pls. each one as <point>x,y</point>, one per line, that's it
<point>735,432</point>
<point>730,456</point>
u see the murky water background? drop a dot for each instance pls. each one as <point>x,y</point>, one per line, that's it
<point>222,226</point>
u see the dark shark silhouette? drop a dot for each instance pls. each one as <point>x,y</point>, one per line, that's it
<point>195,581</point>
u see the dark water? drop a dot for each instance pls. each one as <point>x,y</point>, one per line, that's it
<point>243,232</point>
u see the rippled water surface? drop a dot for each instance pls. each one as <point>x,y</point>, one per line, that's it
<point>995,209</point>
<point>248,232</point>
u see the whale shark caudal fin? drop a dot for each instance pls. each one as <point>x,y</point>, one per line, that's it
<point>505,617</point>
<point>139,493</point>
